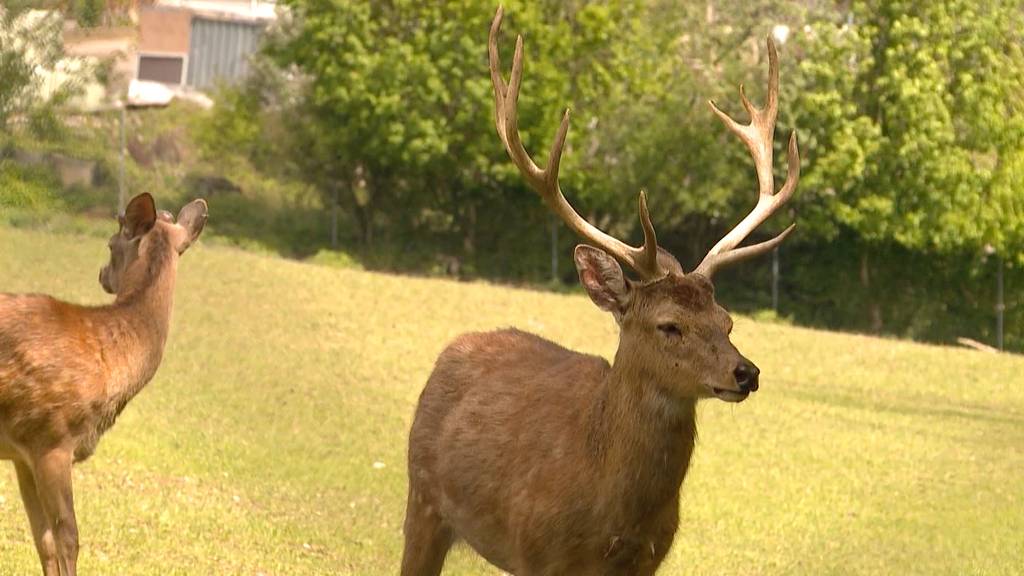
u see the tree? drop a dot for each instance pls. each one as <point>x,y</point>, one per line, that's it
<point>913,115</point>
<point>36,76</point>
<point>22,43</point>
<point>405,88</point>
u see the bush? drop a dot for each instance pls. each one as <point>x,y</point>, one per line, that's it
<point>26,188</point>
<point>336,259</point>
<point>88,13</point>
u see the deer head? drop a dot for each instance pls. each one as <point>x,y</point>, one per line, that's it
<point>139,220</point>
<point>671,328</point>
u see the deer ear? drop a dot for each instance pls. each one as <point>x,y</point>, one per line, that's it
<point>139,216</point>
<point>668,262</point>
<point>602,278</point>
<point>193,219</point>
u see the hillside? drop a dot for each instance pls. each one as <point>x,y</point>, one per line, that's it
<point>272,441</point>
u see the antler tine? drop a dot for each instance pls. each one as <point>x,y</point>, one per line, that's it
<point>726,258</point>
<point>758,136</point>
<point>644,260</point>
<point>497,82</point>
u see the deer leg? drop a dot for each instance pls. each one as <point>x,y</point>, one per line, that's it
<point>53,484</point>
<point>427,539</point>
<point>41,533</point>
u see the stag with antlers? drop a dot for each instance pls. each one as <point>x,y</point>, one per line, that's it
<point>547,461</point>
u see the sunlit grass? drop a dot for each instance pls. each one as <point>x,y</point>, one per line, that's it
<point>253,449</point>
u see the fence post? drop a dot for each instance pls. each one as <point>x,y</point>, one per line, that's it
<point>122,193</point>
<point>554,249</point>
<point>775,280</point>
<point>1000,304</point>
<point>335,201</point>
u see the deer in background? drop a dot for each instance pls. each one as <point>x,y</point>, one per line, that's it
<point>67,371</point>
<point>547,461</point>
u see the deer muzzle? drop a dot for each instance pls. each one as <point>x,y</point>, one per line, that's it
<point>105,281</point>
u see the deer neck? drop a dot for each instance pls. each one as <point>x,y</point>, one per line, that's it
<point>645,436</point>
<point>139,319</point>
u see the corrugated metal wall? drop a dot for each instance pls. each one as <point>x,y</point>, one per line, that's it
<point>220,51</point>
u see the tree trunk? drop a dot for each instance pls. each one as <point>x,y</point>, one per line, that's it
<point>363,218</point>
<point>555,223</point>
<point>874,308</point>
<point>469,234</point>
<point>1000,302</point>
<point>368,234</point>
<point>775,280</point>
<point>334,216</point>
<point>362,198</point>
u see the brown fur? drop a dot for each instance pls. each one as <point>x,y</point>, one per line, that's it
<point>67,372</point>
<point>548,461</point>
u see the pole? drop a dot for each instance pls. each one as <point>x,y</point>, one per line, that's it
<point>1000,304</point>
<point>122,193</point>
<point>334,216</point>
<point>554,249</point>
<point>775,280</point>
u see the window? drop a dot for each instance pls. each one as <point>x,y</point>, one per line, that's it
<point>165,69</point>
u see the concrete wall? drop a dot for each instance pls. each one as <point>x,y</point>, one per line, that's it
<point>164,31</point>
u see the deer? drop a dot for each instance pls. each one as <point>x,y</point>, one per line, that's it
<point>548,461</point>
<point>67,371</point>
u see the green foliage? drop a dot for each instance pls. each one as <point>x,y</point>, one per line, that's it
<point>16,69</point>
<point>26,189</point>
<point>937,298</point>
<point>408,85</point>
<point>769,316</point>
<point>917,111</point>
<point>88,13</point>
<point>335,259</point>
<point>231,129</point>
<point>36,81</point>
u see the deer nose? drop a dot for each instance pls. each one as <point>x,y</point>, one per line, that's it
<point>746,375</point>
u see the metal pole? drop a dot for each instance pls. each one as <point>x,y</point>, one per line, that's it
<point>122,193</point>
<point>554,249</point>
<point>334,216</point>
<point>1000,304</point>
<point>775,280</point>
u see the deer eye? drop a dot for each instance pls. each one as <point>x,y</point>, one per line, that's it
<point>670,329</point>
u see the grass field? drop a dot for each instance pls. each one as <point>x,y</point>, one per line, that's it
<point>272,440</point>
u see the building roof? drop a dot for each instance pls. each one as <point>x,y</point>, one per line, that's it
<point>237,10</point>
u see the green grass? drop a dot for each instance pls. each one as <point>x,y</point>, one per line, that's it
<point>253,450</point>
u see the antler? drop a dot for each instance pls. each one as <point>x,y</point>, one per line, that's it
<point>643,260</point>
<point>758,136</point>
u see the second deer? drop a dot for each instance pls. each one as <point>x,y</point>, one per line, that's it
<point>67,371</point>
<point>550,462</point>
